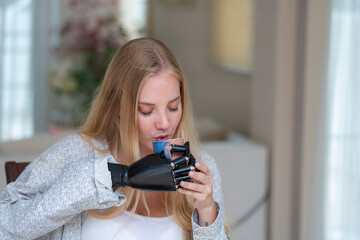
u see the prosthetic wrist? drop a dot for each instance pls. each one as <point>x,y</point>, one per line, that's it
<point>155,172</point>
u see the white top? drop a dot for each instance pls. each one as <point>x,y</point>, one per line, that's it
<point>131,226</point>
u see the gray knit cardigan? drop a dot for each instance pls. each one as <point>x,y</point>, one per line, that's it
<point>49,199</point>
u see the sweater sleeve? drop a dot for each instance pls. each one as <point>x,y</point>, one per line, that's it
<point>216,230</point>
<point>61,183</point>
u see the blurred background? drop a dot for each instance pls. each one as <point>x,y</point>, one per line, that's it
<point>274,85</point>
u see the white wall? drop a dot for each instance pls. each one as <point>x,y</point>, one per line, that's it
<point>315,73</point>
<point>273,106</point>
<point>215,92</point>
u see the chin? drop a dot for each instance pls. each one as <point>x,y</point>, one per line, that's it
<point>146,149</point>
<point>150,148</point>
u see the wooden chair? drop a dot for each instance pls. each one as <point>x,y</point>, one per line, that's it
<point>14,169</point>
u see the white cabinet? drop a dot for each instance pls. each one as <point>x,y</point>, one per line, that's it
<point>244,170</point>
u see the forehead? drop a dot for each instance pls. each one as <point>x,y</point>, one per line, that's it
<point>161,86</point>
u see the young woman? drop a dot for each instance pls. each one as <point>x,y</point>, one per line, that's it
<point>67,193</point>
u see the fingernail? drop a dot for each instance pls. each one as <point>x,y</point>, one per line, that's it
<point>182,183</point>
<point>191,173</point>
<point>197,164</point>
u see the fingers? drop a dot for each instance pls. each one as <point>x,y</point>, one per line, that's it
<point>196,188</point>
<point>203,168</point>
<point>204,176</point>
<point>202,181</point>
<point>197,195</point>
<point>202,193</point>
<point>183,171</point>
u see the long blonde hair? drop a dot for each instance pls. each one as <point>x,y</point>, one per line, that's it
<point>113,116</point>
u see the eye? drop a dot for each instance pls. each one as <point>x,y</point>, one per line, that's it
<point>173,109</point>
<point>146,113</point>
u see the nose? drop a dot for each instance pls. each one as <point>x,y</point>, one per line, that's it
<point>162,121</point>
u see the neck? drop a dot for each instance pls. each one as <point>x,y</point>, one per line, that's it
<point>155,202</point>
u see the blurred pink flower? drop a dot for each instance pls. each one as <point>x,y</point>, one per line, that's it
<point>90,25</point>
<point>89,34</point>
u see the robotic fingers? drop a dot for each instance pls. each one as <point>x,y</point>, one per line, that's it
<point>159,172</point>
<point>181,165</point>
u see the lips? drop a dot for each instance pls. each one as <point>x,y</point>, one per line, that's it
<point>162,138</point>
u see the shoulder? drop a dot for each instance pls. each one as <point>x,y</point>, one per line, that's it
<point>206,158</point>
<point>45,169</point>
<point>209,161</point>
<point>73,145</point>
<point>73,141</point>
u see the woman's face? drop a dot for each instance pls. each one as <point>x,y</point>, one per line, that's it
<point>159,110</point>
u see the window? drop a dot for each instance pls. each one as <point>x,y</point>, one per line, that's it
<point>342,182</point>
<point>16,115</point>
<point>17,65</point>
<point>232,34</point>
<point>133,17</point>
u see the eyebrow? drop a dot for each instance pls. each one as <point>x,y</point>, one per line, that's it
<point>151,104</point>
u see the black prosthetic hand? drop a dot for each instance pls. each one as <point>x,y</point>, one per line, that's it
<point>154,172</point>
